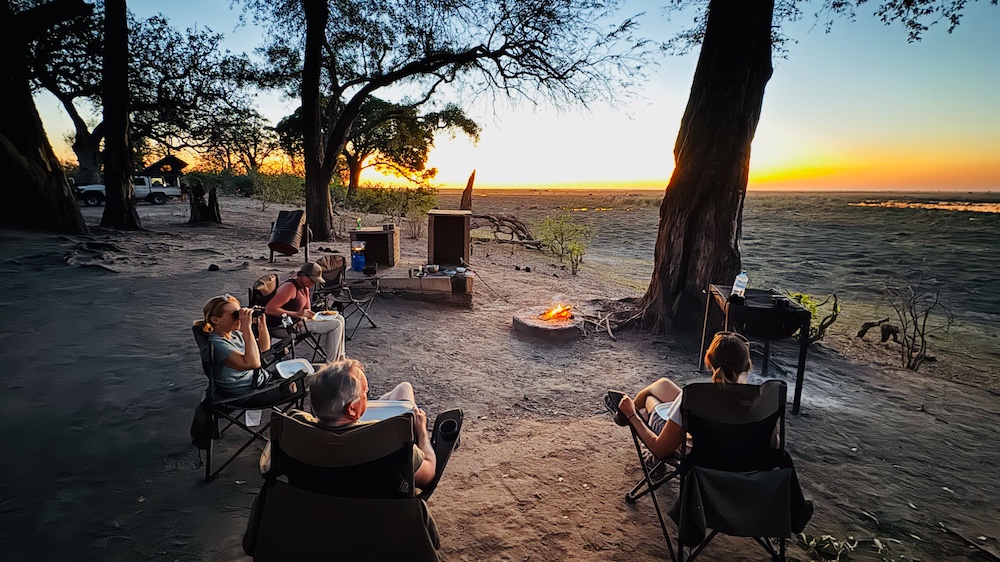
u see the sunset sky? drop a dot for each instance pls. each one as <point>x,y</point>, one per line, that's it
<point>857,109</point>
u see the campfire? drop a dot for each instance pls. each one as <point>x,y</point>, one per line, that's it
<point>556,323</point>
<point>557,312</point>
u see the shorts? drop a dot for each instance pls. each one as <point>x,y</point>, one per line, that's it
<point>656,423</point>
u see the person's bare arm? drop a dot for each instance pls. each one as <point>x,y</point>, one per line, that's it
<point>263,336</point>
<point>662,445</point>
<point>282,296</point>
<point>250,358</point>
<point>425,473</point>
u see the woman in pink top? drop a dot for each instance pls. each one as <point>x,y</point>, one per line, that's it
<point>292,298</point>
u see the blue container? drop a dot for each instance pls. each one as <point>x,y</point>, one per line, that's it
<point>357,260</point>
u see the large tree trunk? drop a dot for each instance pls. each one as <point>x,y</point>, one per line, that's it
<point>120,210</point>
<point>200,210</point>
<point>702,211</point>
<point>354,171</point>
<point>87,147</point>
<point>319,209</point>
<point>466,203</point>
<point>33,181</point>
<point>86,144</point>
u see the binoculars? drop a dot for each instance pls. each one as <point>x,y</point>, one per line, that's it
<point>258,311</point>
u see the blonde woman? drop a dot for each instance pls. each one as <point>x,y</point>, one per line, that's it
<point>728,357</point>
<point>237,358</point>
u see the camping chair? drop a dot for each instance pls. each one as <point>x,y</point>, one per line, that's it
<point>657,471</point>
<point>289,232</point>
<point>737,479</point>
<point>334,280</point>
<point>260,294</point>
<point>350,299</point>
<point>215,408</point>
<point>349,495</point>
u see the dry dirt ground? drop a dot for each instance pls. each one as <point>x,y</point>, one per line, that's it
<point>101,379</point>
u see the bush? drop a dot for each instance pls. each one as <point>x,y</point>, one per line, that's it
<point>563,237</point>
<point>416,218</point>
<point>276,188</point>
<point>225,182</point>
<point>817,325</point>
<point>391,201</point>
<point>920,313</point>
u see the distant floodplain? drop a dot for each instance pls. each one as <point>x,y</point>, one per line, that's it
<point>817,243</point>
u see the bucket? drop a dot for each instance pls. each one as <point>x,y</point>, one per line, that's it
<point>286,235</point>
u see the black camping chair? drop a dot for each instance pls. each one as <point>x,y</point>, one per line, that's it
<point>289,232</point>
<point>355,300</point>
<point>656,472</point>
<point>347,492</point>
<point>259,295</point>
<point>350,299</point>
<point>737,478</point>
<point>231,409</point>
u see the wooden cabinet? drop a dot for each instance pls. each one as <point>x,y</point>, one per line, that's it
<point>381,246</point>
<point>448,237</point>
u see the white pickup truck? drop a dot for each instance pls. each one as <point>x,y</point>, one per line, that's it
<point>155,189</point>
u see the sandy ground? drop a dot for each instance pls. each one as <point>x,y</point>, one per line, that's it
<point>102,378</point>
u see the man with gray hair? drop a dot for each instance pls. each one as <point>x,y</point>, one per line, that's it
<point>339,397</point>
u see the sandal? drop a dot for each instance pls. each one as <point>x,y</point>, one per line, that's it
<point>611,401</point>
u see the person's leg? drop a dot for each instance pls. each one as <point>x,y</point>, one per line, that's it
<point>336,344</point>
<point>403,391</point>
<point>331,334</point>
<point>663,390</point>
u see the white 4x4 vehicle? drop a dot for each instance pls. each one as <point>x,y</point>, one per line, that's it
<point>155,189</point>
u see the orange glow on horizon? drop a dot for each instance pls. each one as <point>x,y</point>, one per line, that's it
<point>919,170</point>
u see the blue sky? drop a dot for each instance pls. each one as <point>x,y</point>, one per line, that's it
<point>858,108</point>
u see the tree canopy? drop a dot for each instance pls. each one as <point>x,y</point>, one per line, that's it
<point>394,139</point>
<point>348,50</point>
<point>184,88</point>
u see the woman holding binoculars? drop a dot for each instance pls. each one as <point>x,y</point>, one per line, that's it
<point>237,360</point>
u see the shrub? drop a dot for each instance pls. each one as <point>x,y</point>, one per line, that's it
<point>563,237</point>
<point>225,182</point>
<point>391,201</point>
<point>276,188</point>
<point>817,325</point>
<point>416,218</point>
<point>920,313</point>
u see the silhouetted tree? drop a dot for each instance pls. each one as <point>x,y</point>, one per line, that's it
<point>39,195</point>
<point>392,138</point>
<point>239,144</point>
<point>517,47</point>
<point>120,209</point>
<point>701,216</point>
<point>183,87</point>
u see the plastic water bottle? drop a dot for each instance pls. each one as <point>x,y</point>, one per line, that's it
<point>740,285</point>
<point>286,321</point>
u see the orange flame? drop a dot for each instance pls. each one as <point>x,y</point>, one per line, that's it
<point>558,312</point>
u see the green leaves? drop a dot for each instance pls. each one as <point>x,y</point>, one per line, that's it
<point>818,324</point>
<point>564,238</point>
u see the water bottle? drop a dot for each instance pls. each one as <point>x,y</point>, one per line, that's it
<point>740,285</point>
<point>286,321</point>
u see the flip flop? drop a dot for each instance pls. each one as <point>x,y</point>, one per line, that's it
<point>611,401</point>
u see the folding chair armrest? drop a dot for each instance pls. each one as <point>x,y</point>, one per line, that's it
<point>266,388</point>
<point>278,350</point>
<point>445,437</point>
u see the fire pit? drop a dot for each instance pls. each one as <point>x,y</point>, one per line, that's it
<point>551,323</point>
